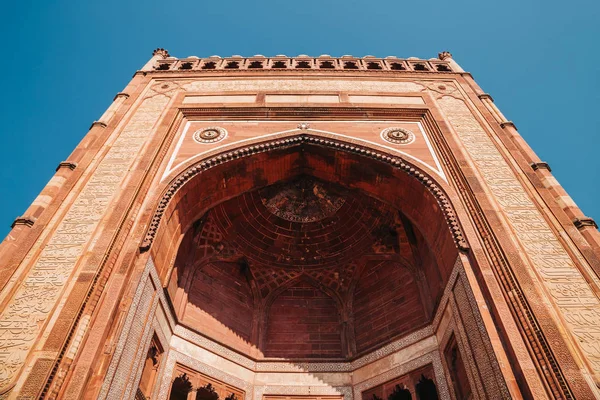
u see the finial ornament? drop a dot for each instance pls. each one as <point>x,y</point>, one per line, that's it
<point>161,52</point>
<point>444,55</point>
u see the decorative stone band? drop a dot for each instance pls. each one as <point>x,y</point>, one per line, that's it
<point>581,223</point>
<point>66,164</point>
<point>539,165</point>
<point>28,221</point>
<point>394,161</point>
<point>302,63</point>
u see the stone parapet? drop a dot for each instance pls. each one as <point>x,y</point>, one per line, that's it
<point>303,63</point>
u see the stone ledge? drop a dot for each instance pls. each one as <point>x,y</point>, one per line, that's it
<point>485,96</point>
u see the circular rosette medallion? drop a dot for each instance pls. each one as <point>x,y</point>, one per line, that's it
<point>398,135</point>
<point>211,134</point>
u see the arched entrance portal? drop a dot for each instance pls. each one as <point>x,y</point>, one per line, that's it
<point>307,255</point>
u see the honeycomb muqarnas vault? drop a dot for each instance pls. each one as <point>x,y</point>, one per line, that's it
<point>301,228</point>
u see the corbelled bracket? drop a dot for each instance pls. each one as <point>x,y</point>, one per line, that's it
<point>581,223</point>
<point>485,96</point>
<point>504,124</point>
<point>27,221</point>
<point>66,164</point>
<point>98,123</point>
<point>540,165</point>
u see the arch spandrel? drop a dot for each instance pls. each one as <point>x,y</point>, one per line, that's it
<point>405,138</point>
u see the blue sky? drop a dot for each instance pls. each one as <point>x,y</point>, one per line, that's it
<point>63,62</point>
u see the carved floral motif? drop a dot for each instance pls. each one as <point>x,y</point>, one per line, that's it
<point>211,134</point>
<point>397,135</point>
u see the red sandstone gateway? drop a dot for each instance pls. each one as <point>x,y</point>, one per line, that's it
<point>301,228</point>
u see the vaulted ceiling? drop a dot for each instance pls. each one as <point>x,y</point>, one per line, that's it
<point>305,269</point>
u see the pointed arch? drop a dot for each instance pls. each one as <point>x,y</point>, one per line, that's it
<point>386,177</point>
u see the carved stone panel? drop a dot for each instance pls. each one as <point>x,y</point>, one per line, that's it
<point>22,319</point>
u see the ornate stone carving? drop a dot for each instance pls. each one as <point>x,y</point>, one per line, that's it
<point>304,200</point>
<point>553,266</point>
<point>429,358</point>
<point>211,134</point>
<point>304,85</point>
<point>176,357</point>
<point>22,319</point>
<point>398,135</point>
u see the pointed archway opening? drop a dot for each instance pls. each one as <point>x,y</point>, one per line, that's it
<point>305,251</point>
